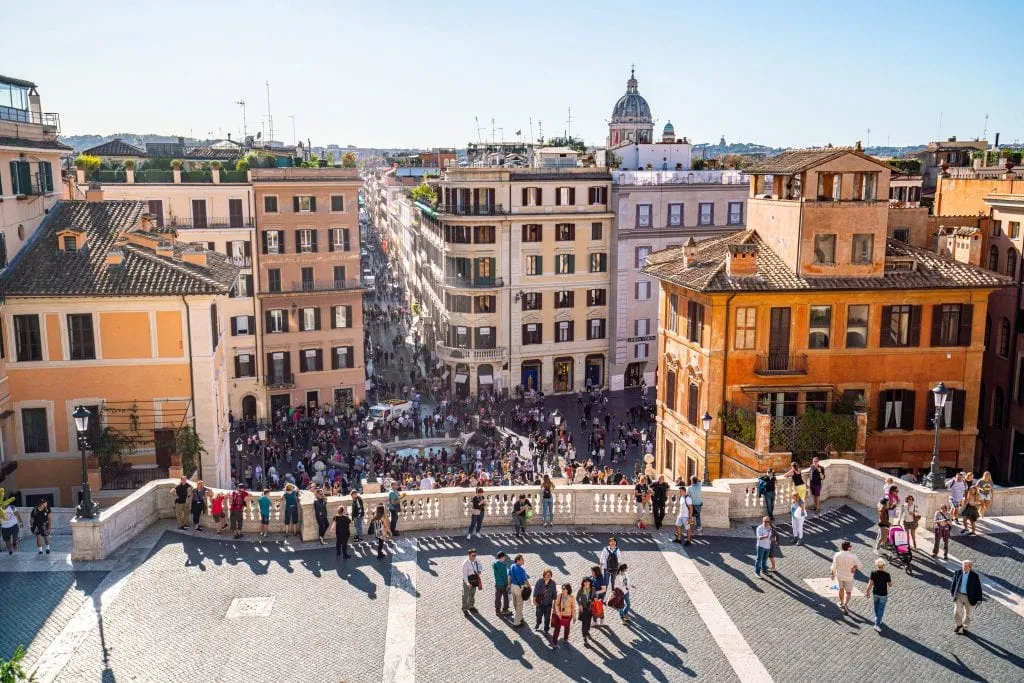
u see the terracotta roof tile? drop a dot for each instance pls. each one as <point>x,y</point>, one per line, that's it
<point>115,148</point>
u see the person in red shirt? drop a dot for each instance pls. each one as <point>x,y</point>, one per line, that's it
<point>237,505</point>
<point>217,511</point>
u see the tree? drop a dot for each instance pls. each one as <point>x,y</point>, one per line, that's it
<point>697,165</point>
<point>13,670</point>
<point>348,160</point>
<point>88,163</point>
<point>425,194</point>
<point>190,447</point>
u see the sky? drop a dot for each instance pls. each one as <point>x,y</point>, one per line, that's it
<point>397,73</point>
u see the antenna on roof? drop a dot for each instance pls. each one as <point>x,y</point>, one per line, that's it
<point>245,131</point>
<point>531,129</point>
<point>568,133</point>
<point>270,117</point>
<point>479,138</point>
<point>985,131</point>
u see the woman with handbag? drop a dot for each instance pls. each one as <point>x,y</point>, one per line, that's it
<point>600,594</point>
<point>585,600</point>
<point>380,529</point>
<point>563,611</point>
<point>910,515</point>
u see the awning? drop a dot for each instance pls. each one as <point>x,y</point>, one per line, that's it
<point>486,379</point>
<point>461,377</point>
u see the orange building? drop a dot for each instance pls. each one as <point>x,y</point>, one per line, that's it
<point>105,311</point>
<point>310,292</point>
<point>813,332</point>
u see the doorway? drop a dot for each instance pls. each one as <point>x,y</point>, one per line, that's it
<point>312,400</point>
<point>163,445</point>
<point>635,373</point>
<point>249,408</point>
<point>342,399</point>
<point>1017,467</point>
<point>530,375</point>
<point>235,213</point>
<point>778,340</point>
<point>563,374</point>
<point>594,371</point>
<point>279,404</point>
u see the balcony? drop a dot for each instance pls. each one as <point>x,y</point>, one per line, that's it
<point>49,119</point>
<point>307,286</point>
<point>451,353</point>
<point>478,283</point>
<point>774,364</point>
<point>132,478</point>
<point>279,380</point>
<point>470,210</point>
<point>241,261</point>
<point>203,223</point>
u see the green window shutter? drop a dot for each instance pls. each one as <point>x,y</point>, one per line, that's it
<point>47,175</point>
<point>15,182</point>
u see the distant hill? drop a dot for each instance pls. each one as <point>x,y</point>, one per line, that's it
<point>81,142</point>
<point>715,151</point>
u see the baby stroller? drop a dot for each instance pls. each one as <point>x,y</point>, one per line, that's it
<point>899,544</point>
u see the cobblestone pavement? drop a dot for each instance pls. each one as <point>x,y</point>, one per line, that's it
<point>799,634</point>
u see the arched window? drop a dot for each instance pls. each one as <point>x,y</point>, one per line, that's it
<point>997,407</point>
<point>993,259</point>
<point>1011,263</point>
<point>1004,338</point>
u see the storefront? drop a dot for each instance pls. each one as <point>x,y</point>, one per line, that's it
<point>563,374</point>
<point>594,370</point>
<point>531,375</point>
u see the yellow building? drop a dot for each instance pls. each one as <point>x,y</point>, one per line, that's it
<point>104,310</point>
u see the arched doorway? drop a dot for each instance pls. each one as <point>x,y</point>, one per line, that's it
<point>594,370</point>
<point>484,379</point>
<point>530,376</point>
<point>461,380</point>
<point>249,408</point>
<point>563,374</point>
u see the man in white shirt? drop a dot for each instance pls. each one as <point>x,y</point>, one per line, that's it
<point>684,518</point>
<point>427,483</point>
<point>10,523</point>
<point>472,581</point>
<point>844,567</point>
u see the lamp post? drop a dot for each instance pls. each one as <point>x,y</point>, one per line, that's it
<point>933,479</point>
<point>87,509</point>
<point>262,434</point>
<point>556,470</point>
<point>238,466</point>
<point>706,423</point>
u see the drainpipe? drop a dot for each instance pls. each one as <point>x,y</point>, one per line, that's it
<point>192,376</point>
<point>725,376</point>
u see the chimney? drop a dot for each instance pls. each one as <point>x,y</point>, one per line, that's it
<point>689,253</point>
<point>181,140</point>
<point>229,137</point>
<point>195,255</point>
<point>952,138</point>
<point>94,193</point>
<point>165,249</point>
<point>146,222</point>
<point>741,261</point>
<point>115,256</point>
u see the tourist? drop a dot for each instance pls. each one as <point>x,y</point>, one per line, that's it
<point>774,551</point>
<point>817,479</point>
<point>600,594</point>
<point>320,512</point>
<point>798,479</point>
<point>217,510</point>
<point>199,495</point>
<point>520,510</point>
<point>642,494</point>
<point>358,514</point>
<point>519,581</point>
<point>883,508</point>
<point>427,483</point>
<point>500,570</point>
<point>766,489</point>
<point>910,515</point>
<point>957,489</point>
<point>543,596</point>
<point>564,611</point>
<point>797,515</point>
<point>238,497</point>
<point>585,598</point>
<point>624,586</point>
<point>659,498</point>
<point>547,501</point>
<point>380,530</point>
<point>845,566</point>
<point>966,592</point>
<point>763,546</point>
<point>394,507</point>
<point>685,517</point>
<point>476,517</point>
<point>39,521</point>
<point>263,503</point>
<point>611,558</point>
<point>972,507</point>
<point>10,526</point>
<point>985,491</point>
<point>880,582</point>
<point>181,497</point>
<point>291,510</point>
<point>341,526</point>
<point>696,491</point>
<point>943,522</point>
<point>472,581</point>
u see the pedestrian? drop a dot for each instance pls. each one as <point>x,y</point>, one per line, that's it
<point>611,559</point>
<point>238,497</point>
<point>291,510</point>
<point>547,501</point>
<point>659,498</point>
<point>380,529</point>
<point>763,546</point>
<point>217,510</point>
<point>320,511</point>
<point>10,526</point>
<point>39,521</point>
<point>642,494</point>
<point>476,517</point>
<point>943,522</point>
<point>910,515</point>
<point>957,489</point>
<point>844,567</point>
<point>971,510</point>
<point>181,497</point>
<point>766,490</point>
<point>199,495</point>
<point>585,598</point>
<point>966,592</point>
<point>797,515</point>
<point>472,581</point>
<point>543,596</point>
<point>263,503</point>
<point>624,586</point>
<point>520,511</point>
<point>883,508</point>
<point>985,491</point>
<point>696,490</point>
<point>500,570</point>
<point>563,612</point>
<point>600,594</point>
<point>880,582</point>
<point>797,477</point>
<point>817,479</point>
<point>342,530</point>
<point>394,507</point>
<point>358,514</point>
<point>685,517</point>
<point>519,581</point>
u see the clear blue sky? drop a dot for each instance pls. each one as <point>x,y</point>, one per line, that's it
<point>400,73</point>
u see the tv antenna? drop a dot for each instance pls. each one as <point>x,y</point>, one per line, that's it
<point>568,131</point>
<point>245,131</point>
<point>270,117</point>
<point>479,137</point>
<point>985,131</point>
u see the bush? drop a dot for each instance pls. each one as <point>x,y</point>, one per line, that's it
<point>129,164</point>
<point>740,424</point>
<point>176,164</point>
<point>88,162</point>
<point>242,165</point>
<point>906,166</point>
<point>13,670</point>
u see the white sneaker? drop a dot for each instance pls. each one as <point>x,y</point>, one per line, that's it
<point>469,536</point>
<point>40,551</point>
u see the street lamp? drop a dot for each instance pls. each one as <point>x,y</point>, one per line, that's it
<point>262,433</point>
<point>933,479</point>
<point>706,423</point>
<point>238,466</point>
<point>86,509</point>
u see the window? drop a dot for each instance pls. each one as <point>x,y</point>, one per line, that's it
<point>564,331</point>
<point>27,340</point>
<point>274,280</point>
<point>483,234</point>
<point>902,235</point>
<point>35,431</point>
<point>242,325</point>
<point>951,324</point>
<point>820,328</point>
<point>304,204</point>
<point>597,297</point>
<point>596,328</point>
<point>643,216</point>
<point>673,313</point>
<point>244,365</point>
<point>857,326</point>
<point>599,262</point>
<point>830,186</point>
<point>533,196</point>
<point>306,240</point>
<point>693,404</point>
<point>565,298</point>
<point>642,290</point>
<point>597,195</point>
<point>596,231</point>
<point>461,340</point>
<point>705,213</point>
<point>896,409</point>
<point>484,303</point>
<point>997,407</point>
<point>670,390</point>
<point>816,400</point>
<point>342,357</point>
<point>641,351</point>
<point>641,327</point>
<point>21,177</point>
<point>340,240</point>
<point>695,322</point>
<point>675,215</point>
<point>1011,263</point>
<point>70,244</point>
<point>1013,229</point>
<point>1020,380</point>
<point>825,249</point>
<point>993,258</point>
<point>269,204</point>
<point>311,360</point>
<point>901,326</point>
<point>865,186</point>
<point>565,232</point>
<point>641,256</point>
<point>3,245</point>
<point>746,329</point>
<point>735,213</point>
<point>532,333</point>
<point>952,413</point>
<point>341,317</point>
<point>309,319</point>
<point>484,338</point>
<point>997,228</point>
<point>863,245</point>
<point>214,329</point>
<point>534,265</point>
<point>670,456</point>
<point>277,321</point>
<point>458,234</point>
<point>339,277</point>
<point>1003,347</point>
<point>337,203</point>
<point>272,242</point>
<point>532,301</point>
<point>565,264</point>
<point>533,233</point>
<point>484,269</point>
<point>81,343</point>
<point>565,196</point>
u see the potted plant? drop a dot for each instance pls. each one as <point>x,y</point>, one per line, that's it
<point>176,164</point>
<point>215,165</point>
<point>129,164</point>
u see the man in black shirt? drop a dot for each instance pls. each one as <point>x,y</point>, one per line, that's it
<point>181,496</point>
<point>659,497</point>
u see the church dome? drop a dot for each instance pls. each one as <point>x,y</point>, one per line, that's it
<point>669,130</point>
<point>631,107</point>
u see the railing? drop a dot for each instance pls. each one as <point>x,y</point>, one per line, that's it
<point>234,176</point>
<point>242,261</point>
<point>28,116</point>
<point>680,178</point>
<point>470,210</point>
<point>454,353</point>
<point>197,176</point>
<point>316,286</point>
<point>208,222</point>
<point>154,175</point>
<point>108,176</point>
<point>133,478</point>
<point>279,379</point>
<point>478,283</point>
<point>781,364</point>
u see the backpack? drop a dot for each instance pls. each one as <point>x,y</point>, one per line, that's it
<point>762,486</point>
<point>613,560</point>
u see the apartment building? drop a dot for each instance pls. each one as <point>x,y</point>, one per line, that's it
<point>106,311</point>
<point>800,331</point>
<point>309,288</point>
<point>655,210</point>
